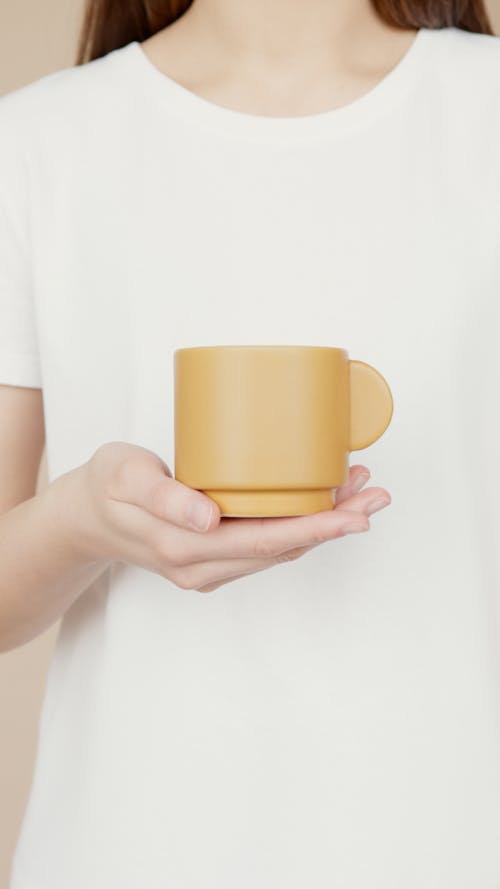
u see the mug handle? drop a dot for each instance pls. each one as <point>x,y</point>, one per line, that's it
<point>371,405</point>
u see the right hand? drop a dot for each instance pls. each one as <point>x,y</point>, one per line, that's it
<point>123,504</point>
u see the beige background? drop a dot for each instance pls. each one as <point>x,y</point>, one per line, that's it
<point>36,36</point>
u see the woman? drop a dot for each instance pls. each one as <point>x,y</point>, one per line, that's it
<point>279,172</point>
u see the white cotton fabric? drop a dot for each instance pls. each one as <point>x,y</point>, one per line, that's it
<point>331,722</point>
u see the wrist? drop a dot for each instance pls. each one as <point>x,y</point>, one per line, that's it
<point>70,516</point>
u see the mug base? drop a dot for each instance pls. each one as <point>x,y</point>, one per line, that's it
<point>279,502</point>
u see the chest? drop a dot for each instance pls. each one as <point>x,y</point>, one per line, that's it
<point>364,249</point>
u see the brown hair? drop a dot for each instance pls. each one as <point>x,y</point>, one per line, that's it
<point>111,24</point>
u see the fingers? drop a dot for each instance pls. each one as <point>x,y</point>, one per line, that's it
<point>236,538</point>
<point>269,536</point>
<point>143,479</point>
<point>358,476</point>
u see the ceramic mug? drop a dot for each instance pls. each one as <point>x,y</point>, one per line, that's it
<point>267,430</point>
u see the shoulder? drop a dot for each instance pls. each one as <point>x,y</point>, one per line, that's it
<point>485,48</point>
<point>467,57</point>
<point>463,78</point>
<point>71,98</point>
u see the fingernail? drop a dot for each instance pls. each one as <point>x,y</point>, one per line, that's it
<point>360,481</point>
<point>199,515</point>
<point>351,529</point>
<point>377,504</point>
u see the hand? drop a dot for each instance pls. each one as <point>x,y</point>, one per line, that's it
<point>124,505</point>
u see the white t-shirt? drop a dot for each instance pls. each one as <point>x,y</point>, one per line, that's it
<point>330,722</point>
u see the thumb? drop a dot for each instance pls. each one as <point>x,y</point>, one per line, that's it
<point>143,479</point>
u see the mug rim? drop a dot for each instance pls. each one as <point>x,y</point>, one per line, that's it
<point>260,347</point>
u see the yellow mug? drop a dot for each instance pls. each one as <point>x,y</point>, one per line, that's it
<point>267,430</point>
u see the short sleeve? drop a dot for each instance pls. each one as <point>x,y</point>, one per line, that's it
<point>19,355</point>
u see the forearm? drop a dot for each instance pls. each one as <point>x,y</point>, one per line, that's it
<point>42,571</point>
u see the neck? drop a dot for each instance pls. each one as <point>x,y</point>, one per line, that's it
<point>279,56</point>
<point>284,30</point>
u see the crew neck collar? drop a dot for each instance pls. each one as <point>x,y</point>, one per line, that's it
<point>359,112</point>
